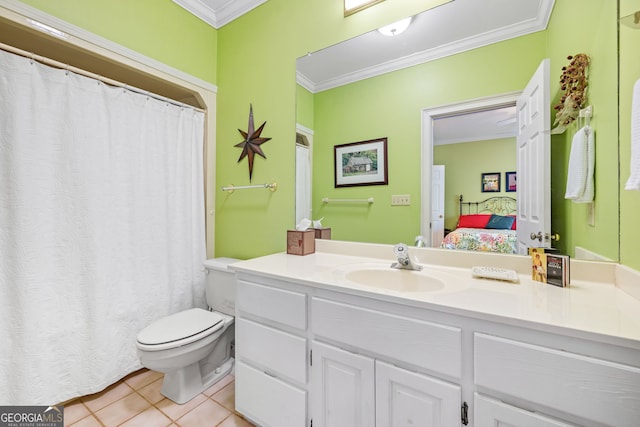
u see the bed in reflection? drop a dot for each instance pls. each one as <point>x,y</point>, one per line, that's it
<point>488,226</point>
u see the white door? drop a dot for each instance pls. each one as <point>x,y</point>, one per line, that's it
<point>490,413</point>
<point>342,388</point>
<point>534,173</point>
<point>408,399</point>
<point>437,205</point>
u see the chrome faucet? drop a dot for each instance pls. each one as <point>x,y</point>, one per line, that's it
<point>404,260</point>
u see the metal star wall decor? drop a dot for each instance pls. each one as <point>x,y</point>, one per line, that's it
<point>252,142</point>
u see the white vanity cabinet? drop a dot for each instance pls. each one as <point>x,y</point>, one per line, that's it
<point>352,390</point>
<point>355,382</point>
<point>333,357</point>
<point>271,355</point>
<point>602,391</point>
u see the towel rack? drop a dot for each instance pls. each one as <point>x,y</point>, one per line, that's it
<point>586,113</point>
<point>328,200</point>
<point>231,188</point>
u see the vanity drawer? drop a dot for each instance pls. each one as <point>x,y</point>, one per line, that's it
<point>279,352</point>
<point>279,305</point>
<point>429,345</point>
<point>587,387</point>
<point>267,400</point>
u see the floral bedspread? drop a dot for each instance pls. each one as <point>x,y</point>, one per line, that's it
<point>479,239</point>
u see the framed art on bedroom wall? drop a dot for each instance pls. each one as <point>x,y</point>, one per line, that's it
<point>491,182</point>
<point>510,184</point>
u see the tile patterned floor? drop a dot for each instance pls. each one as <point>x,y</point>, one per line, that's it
<point>136,401</point>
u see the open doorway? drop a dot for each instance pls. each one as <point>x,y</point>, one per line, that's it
<point>491,118</point>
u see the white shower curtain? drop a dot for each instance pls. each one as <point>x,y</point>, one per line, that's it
<point>101,227</point>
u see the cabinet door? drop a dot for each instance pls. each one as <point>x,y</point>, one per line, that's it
<point>409,399</point>
<point>490,413</point>
<point>343,388</point>
<point>267,400</point>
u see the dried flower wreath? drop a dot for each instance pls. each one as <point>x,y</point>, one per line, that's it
<point>573,81</point>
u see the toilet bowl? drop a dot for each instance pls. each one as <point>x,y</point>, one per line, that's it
<point>193,348</point>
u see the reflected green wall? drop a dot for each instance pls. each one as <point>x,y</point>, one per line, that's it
<point>629,200</point>
<point>391,106</point>
<point>464,165</point>
<point>304,107</point>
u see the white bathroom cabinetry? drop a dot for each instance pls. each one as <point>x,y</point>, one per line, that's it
<point>271,354</point>
<point>342,388</point>
<point>352,390</point>
<point>338,357</point>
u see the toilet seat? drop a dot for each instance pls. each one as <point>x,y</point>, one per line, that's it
<point>179,329</point>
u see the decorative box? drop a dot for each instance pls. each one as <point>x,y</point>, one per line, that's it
<point>301,242</point>
<point>323,233</point>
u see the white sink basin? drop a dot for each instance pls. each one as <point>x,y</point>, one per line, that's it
<point>385,277</point>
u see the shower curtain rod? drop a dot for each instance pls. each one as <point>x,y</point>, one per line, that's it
<point>103,79</point>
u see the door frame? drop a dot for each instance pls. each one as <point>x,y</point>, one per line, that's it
<point>428,116</point>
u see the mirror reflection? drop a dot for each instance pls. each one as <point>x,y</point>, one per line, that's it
<point>467,52</point>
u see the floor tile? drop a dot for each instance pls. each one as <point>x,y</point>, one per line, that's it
<point>235,421</point>
<point>74,411</point>
<point>150,417</point>
<point>207,414</point>
<point>219,385</point>
<point>89,421</point>
<point>226,397</point>
<point>151,392</point>
<point>175,411</point>
<point>107,396</point>
<point>142,378</point>
<point>122,410</point>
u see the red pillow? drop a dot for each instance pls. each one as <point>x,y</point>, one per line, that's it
<point>474,221</point>
<point>513,227</point>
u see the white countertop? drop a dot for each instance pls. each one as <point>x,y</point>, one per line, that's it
<point>595,308</point>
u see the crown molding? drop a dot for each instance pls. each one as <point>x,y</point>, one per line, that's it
<point>220,16</point>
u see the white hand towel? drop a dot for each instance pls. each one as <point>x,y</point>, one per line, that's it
<point>587,194</point>
<point>578,165</point>
<point>633,183</point>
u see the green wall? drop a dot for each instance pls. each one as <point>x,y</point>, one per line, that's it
<point>464,165</point>
<point>161,30</point>
<point>629,200</point>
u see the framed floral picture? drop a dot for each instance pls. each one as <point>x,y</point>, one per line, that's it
<point>361,163</point>
<point>491,182</point>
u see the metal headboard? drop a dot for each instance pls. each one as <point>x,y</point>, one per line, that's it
<point>499,205</point>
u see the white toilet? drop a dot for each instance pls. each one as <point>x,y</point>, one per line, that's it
<point>194,347</point>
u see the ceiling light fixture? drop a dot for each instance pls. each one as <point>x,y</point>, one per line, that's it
<point>353,6</point>
<point>395,28</point>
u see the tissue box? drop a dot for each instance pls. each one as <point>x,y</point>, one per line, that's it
<point>301,242</point>
<point>323,233</point>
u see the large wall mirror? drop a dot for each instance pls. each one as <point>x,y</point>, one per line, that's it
<point>377,86</point>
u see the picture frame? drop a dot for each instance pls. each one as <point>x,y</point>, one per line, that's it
<point>510,182</point>
<point>361,163</point>
<point>491,182</point>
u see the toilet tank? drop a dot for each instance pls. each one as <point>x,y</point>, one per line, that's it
<point>220,286</point>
